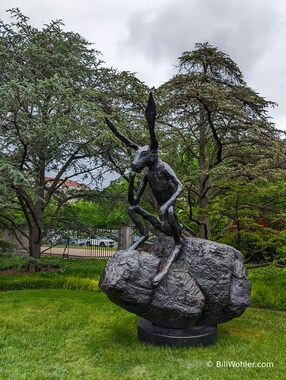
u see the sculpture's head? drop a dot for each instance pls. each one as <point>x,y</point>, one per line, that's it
<point>145,155</point>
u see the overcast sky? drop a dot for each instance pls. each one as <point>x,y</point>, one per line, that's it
<point>147,36</point>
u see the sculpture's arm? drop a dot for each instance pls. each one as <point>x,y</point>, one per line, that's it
<point>170,202</point>
<point>133,200</point>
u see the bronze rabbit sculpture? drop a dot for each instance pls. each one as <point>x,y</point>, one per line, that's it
<point>164,184</point>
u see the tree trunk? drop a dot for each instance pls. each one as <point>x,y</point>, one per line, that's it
<point>35,243</point>
<point>205,232</point>
<point>204,183</point>
<point>238,227</point>
<point>36,227</point>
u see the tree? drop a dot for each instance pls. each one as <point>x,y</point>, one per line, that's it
<point>107,210</point>
<point>125,103</point>
<point>51,105</point>
<point>220,127</point>
<point>255,217</point>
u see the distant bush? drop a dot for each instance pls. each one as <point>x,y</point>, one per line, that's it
<point>268,283</point>
<point>31,281</point>
<point>73,274</point>
<point>11,261</point>
<point>39,281</point>
<point>6,246</point>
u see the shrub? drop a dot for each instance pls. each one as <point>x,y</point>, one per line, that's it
<point>267,283</point>
<point>6,246</point>
<point>40,281</point>
<point>71,274</point>
<point>11,261</point>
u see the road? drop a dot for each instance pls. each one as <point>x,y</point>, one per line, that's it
<point>91,252</point>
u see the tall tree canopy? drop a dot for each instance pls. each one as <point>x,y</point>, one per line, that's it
<point>220,126</point>
<point>54,93</point>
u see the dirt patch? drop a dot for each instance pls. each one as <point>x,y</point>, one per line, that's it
<point>11,272</point>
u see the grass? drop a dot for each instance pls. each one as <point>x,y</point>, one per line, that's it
<point>268,287</point>
<point>57,333</point>
<point>62,334</point>
<point>268,283</point>
<point>72,274</point>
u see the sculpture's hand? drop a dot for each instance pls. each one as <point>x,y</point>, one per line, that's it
<point>134,199</point>
<point>131,188</point>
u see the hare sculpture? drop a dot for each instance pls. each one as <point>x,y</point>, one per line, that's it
<point>164,184</point>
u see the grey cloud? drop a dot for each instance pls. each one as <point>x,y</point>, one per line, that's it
<point>242,29</point>
<point>253,33</point>
<point>147,36</point>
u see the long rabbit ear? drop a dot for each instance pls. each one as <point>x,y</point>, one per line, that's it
<point>151,117</point>
<point>119,135</point>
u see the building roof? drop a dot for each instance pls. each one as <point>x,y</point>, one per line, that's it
<point>69,183</point>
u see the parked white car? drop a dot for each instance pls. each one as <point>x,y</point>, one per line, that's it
<point>100,241</point>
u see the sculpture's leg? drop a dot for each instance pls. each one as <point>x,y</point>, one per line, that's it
<point>133,211</point>
<point>152,219</point>
<point>176,234</point>
<point>142,231</point>
<point>161,275</point>
<point>174,224</point>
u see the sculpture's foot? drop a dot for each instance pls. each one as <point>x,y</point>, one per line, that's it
<point>138,243</point>
<point>161,275</point>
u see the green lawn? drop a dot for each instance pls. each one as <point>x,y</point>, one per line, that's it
<point>268,287</point>
<point>63,334</point>
<point>50,331</point>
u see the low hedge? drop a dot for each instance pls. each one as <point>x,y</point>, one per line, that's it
<point>268,283</point>
<point>71,274</point>
<point>35,281</point>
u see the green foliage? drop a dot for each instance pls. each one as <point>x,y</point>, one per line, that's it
<point>45,94</point>
<point>268,283</point>
<point>10,261</point>
<point>213,130</point>
<point>255,215</point>
<point>48,281</point>
<point>49,80</point>
<point>217,130</point>
<point>108,209</point>
<point>70,274</point>
<point>35,281</point>
<point>54,94</point>
<point>6,246</point>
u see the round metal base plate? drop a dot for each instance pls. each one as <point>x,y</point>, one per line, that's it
<point>160,336</point>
